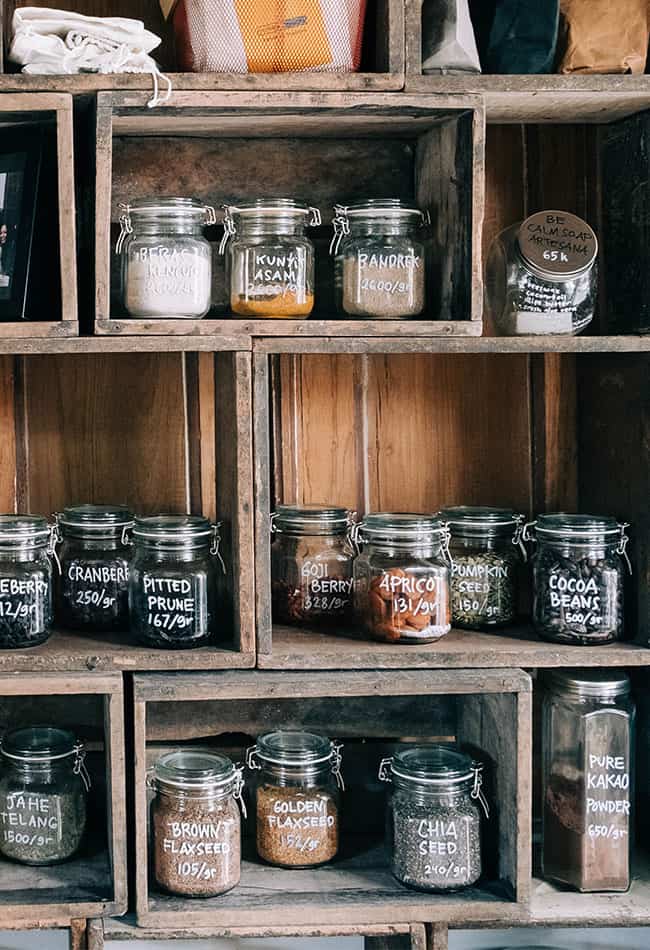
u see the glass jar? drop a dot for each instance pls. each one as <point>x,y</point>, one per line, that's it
<point>401,578</point>
<point>311,565</point>
<point>296,798</point>
<point>578,578</point>
<point>166,259</point>
<point>26,576</point>
<point>269,259</point>
<point>434,824</point>
<point>43,788</point>
<point>587,778</point>
<point>94,556</point>
<point>196,825</point>
<point>379,259</point>
<point>173,581</point>
<point>542,276</point>
<point>486,552</point>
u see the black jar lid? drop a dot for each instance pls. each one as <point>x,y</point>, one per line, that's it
<point>563,525</point>
<point>194,769</point>
<point>95,521</point>
<point>294,748</point>
<point>175,529</point>
<point>39,743</point>
<point>24,529</point>
<point>467,519</point>
<point>588,684</point>
<point>402,527</point>
<point>557,245</point>
<point>311,519</point>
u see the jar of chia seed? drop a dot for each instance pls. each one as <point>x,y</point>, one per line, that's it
<point>26,574</point>
<point>486,553</point>
<point>434,821</point>
<point>94,557</point>
<point>43,789</point>
<point>173,581</point>
<point>297,800</point>
<point>311,565</point>
<point>579,578</point>
<point>401,577</point>
<point>195,823</point>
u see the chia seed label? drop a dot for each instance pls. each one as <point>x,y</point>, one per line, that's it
<point>443,847</point>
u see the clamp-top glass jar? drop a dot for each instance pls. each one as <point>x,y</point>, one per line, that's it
<point>486,552</point>
<point>173,581</point>
<point>43,790</point>
<point>311,564</point>
<point>94,557</point>
<point>269,258</point>
<point>196,825</point>
<point>434,823</point>
<point>166,259</point>
<point>379,259</point>
<point>542,275</point>
<point>401,578</point>
<point>579,578</point>
<point>297,798</point>
<point>587,778</point>
<point>26,577</point>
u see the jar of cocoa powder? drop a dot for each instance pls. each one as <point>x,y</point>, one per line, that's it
<point>298,780</point>
<point>195,823</point>
<point>401,578</point>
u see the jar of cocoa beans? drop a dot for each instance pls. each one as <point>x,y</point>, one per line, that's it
<point>401,578</point>
<point>311,565</point>
<point>297,798</point>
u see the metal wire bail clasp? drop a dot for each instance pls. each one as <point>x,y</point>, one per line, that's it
<point>216,543</point>
<point>79,767</point>
<point>477,791</point>
<point>251,759</point>
<point>526,534</point>
<point>518,538</point>
<point>341,226</point>
<point>444,544</point>
<point>353,532</point>
<point>385,773</point>
<point>238,788</point>
<point>210,216</point>
<point>229,229</point>
<point>623,542</point>
<point>126,228</point>
<point>337,761</point>
<point>54,541</point>
<point>315,219</point>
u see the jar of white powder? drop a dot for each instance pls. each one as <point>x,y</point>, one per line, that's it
<point>166,259</point>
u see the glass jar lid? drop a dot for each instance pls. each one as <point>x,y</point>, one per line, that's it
<point>95,521</point>
<point>588,684</point>
<point>464,519</point>
<point>562,525</point>
<point>194,769</point>
<point>168,207</point>
<point>402,527</point>
<point>274,208</point>
<point>392,209</point>
<point>294,748</point>
<point>436,769</point>
<point>311,520</point>
<point>182,530</point>
<point>556,245</point>
<point>39,744</point>
<point>30,530</point>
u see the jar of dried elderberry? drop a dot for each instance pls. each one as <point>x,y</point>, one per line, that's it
<point>311,565</point>
<point>25,580</point>
<point>195,823</point>
<point>542,276</point>
<point>94,559</point>
<point>578,578</point>
<point>486,553</point>
<point>43,789</point>
<point>434,822</point>
<point>173,581</point>
<point>298,778</point>
<point>401,578</point>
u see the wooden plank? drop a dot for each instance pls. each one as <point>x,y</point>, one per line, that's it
<point>126,929</point>
<point>276,327</point>
<point>9,405</point>
<point>262,489</point>
<point>95,934</point>
<point>39,330</point>
<point>103,177</point>
<point>77,935</point>
<point>555,433</point>
<point>523,344</point>
<point>437,937</point>
<point>67,214</point>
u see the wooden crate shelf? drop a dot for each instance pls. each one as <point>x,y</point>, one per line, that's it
<point>354,706</point>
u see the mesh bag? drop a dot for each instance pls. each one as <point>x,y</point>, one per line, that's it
<point>269,36</point>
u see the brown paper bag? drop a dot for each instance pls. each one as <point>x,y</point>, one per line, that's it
<point>603,36</point>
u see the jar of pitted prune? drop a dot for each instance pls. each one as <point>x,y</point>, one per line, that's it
<point>173,581</point>
<point>26,576</point>
<point>311,565</point>
<point>401,578</point>
<point>434,822</point>
<point>43,789</point>
<point>578,578</point>
<point>486,553</point>
<point>94,558</point>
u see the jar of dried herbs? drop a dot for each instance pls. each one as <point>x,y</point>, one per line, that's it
<point>486,553</point>
<point>43,789</point>
<point>94,557</point>
<point>379,259</point>
<point>26,574</point>
<point>195,823</point>
<point>298,778</point>
<point>542,276</point>
<point>173,581</point>
<point>588,721</point>
<point>401,578</point>
<point>269,258</point>
<point>578,578</point>
<point>434,822</point>
<point>311,565</point>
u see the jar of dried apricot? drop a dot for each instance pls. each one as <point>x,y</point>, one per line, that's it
<point>401,578</point>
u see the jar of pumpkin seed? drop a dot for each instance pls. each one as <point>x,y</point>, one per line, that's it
<point>486,550</point>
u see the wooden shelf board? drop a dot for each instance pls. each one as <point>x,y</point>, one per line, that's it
<point>299,649</point>
<point>126,928</point>
<point>414,344</point>
<point>273,327</point>
<point>67,651</point>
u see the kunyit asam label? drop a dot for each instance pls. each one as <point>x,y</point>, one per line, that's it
<point>557,243</point>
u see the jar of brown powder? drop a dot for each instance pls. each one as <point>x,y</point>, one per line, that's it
<point>195,823</point>
<point>297,798</point>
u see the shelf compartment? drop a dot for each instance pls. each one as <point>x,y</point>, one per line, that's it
<point>425,150</point>
<point>367,710</point>
<point>93,883</point>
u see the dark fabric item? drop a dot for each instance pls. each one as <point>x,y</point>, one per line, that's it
<point>523,37</point>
